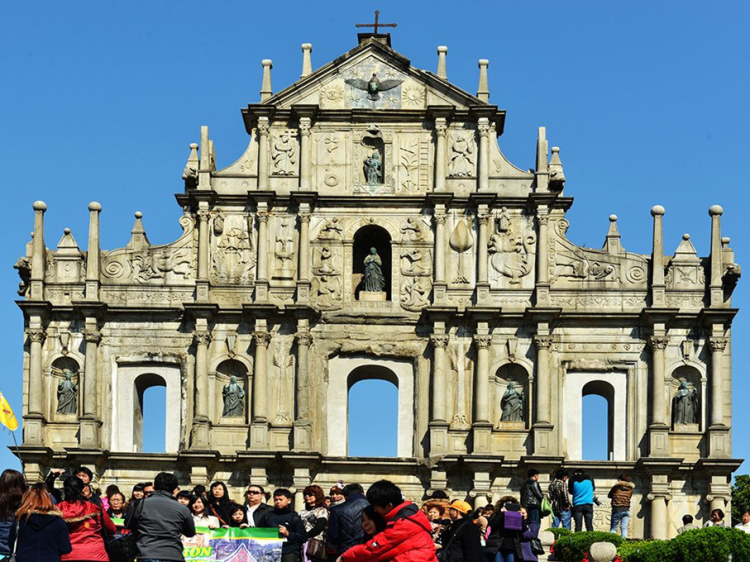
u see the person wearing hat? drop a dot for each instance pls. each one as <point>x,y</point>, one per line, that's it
<point>462,541</point>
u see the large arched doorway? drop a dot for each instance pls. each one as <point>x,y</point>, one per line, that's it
<point>366,238</point>
<point>344,373</point>
<point>147,396</point>
<point>594,424</point>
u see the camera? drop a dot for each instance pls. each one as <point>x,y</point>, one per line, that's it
<point>512,507</point>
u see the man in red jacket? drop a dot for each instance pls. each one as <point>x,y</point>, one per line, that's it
<point>407,535</point>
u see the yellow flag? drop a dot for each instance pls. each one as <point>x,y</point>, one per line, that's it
<point>7,417</point>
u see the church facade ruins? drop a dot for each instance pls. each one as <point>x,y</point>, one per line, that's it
<point>373,229</point>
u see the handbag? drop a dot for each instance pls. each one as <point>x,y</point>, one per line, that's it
<point>536,546</point>
<point>546,507</point>
<point>12,557</point>
<point>513,520</point>
<point>316,549</point>
<point>123,548</point>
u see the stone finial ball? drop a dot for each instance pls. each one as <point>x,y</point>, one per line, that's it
<point>657,210</point>
<point>66,231</point>
<point>716,211</point>
<point>95,206</point>
<point>555,149</point>
<point>686,236</point>
<point>138,215</point>
<point>613,218</point>
<point>267,62</point>
<point>726,240</point>
<point>603,552</point>
<point>483,62</point>
<point>193,146</point>
<point>307,46</point>
<point>40,206</point>
<point>442,49</point>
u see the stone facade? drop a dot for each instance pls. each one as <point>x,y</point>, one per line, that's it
<point>256,321</point>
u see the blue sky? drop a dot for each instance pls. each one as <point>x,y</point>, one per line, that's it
<point>647,100</point>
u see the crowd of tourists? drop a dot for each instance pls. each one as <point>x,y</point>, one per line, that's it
<point>46,522</point>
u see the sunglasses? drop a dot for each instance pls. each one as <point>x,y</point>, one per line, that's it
<point>252,492</point>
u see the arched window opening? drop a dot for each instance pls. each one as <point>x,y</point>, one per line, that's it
<point>598,421</point>
<point>367,238</point>
<point>150,412</point>
<point>373,413</point>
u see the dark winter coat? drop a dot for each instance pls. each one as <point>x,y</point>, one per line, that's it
<point>501,538</point>
<point>345,523</point>
<point>41,538</point>
<point>621,493</point>
<point>531,494</point>
<point>160,524</point>
<point>5,527</point>
<point>462,542</point>
<point>406,538</point>
<point>259,512</point>
<point>530,532</point>
<point>292,521</point>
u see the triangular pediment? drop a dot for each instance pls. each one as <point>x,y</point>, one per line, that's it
<point>347,83</point>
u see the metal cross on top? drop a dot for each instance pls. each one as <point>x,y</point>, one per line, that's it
<point>376,24</point>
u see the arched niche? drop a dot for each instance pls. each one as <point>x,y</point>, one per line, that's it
<point>367,237</point>
<point>129,384</point>
<point>611,386</point>
<point>693,378</point>
<point>224,372</point>
<point>519,376</point>
<point>65,395</point>
<point>343,373</point>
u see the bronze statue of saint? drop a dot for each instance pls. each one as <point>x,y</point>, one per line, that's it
<point>372,169</point>
<point>67,395</point>
<point>234,396</point>
<point>512,404</point>
<point>685,405</point>
<point>373,281</point>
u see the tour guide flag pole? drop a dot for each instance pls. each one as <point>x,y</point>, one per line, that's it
<point>8,418</point>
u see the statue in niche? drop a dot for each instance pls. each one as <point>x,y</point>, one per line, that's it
<point>373,280</point>
<point>512,404</point>
<point>462,160</point>
<point>284,155</point>
<point>685,405</point>
<point>372,169</point>
<point>234,396</point>
<point>67,395</point>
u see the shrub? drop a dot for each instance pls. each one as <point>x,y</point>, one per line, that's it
<point>653,551</point>
<point>713,544</point>
<point>573,547</point>
<point>559,532</point>
<point>629,547</point>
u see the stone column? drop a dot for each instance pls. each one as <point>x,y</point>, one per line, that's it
<point>543,444</point>
<point>542,269</point>
<point>38,250</point>
<point>303,268</point>
<point>658,399</point>
<point>261,282</point>
<point>302,424</point>
<point>439,344</point>
<point>717,345</point>
<point>259,428</point>
<point>89,424</point>
<point>438,423</point>
<point>659,516</point>
<point>36,339</point>
<point>482,428</point>
<point>482,388</point>
<point>441,129</point>
<point>260,377</point>
<point>92,257</point>
<point>484,220</point>
<point>263,129</point>
<point>543,410</point>
<point>33,421</point>
<point>202,339</point>
<point>202,285</point>
<point>484,154</point>
<point>304,157</point>
<point>439,285</point>
<point>715,286</point>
